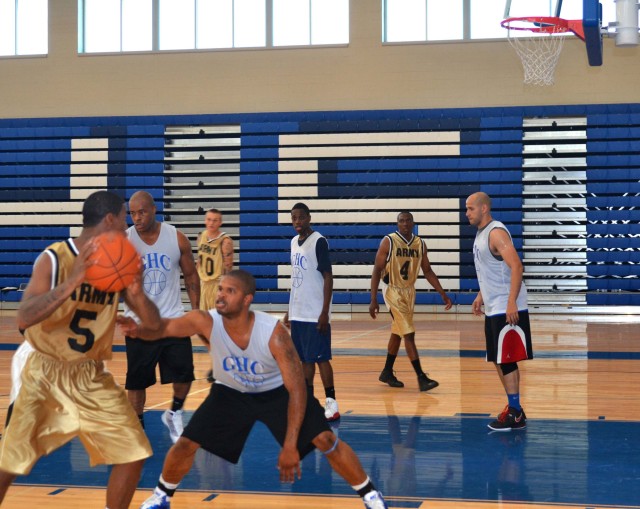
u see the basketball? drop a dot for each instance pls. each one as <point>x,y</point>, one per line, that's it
<point>115,263</point>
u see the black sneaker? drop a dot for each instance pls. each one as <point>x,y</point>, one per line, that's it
<point>210,378</point>
<point>506,411</point>
<point>425,383</point>
<point>509,419</point>
<point>390,379</point>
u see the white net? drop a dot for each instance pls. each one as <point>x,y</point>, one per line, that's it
<point>539,54</point>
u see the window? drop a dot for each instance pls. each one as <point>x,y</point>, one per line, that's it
<point>305,22</point>
<point>422,20</point>
<point>404,20</point>
<point>115,25</point>
<point>177,27</point>
<point>441,20</point>
<point>485,20</point>
<point>249,23</point>
<point>146,25</point>
<point>329,21</point>
<point>24,27</point>
<point>214,28</point>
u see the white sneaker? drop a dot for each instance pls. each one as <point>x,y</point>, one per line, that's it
<point>374,500</point>
<point>331,410</point>
<point>173,421</point>
<point>156,501</point>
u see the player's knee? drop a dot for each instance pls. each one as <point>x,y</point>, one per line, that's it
<point>410,337</point>
<point>509,367</point>
<point>326,442</point>
<point>185,447</point>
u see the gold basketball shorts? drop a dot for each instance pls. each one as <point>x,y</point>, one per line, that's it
<point>58,401</point>
<point>401,303</point>
<point>208,294</point>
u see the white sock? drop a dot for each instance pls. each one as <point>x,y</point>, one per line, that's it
<point>168,485</point>
<point>360,486</point>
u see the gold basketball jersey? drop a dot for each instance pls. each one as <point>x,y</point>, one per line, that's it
<point>82,327</point>
<point>210,264</point>
<point>404,260</point>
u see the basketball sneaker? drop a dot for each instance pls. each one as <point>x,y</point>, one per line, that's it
<point>509,419</point>
<point>425,383</point>
<point>157,501</point>
<point>387,377</point>
<point>506,410</point>
<point>331,410</point>
<point>374,500</point>
<point>173,421</point>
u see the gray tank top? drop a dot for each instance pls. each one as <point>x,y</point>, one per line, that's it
<point>161,277</point>
<point>253,369</point>
<point>494,275</point>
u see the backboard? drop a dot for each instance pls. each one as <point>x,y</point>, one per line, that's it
<point>589,11</point>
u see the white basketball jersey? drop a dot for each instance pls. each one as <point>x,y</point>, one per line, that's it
<point>253,369</point>
<point>494,275</point>
<point>307,282</point>
<point>161,275</point>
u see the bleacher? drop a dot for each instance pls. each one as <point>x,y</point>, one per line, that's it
<point>564,179</point>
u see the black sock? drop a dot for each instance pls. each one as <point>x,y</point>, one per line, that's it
<point>310,389</point>
<point>388,365</point>
<point>141,419</point>
<point>177,404</point>
<point>330,392</point>
<point>416,366</point>
<point>367,489</point>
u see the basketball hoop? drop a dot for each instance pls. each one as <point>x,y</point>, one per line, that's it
<point>540,51</point>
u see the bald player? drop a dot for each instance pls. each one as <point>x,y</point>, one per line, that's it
<point>504,297</point>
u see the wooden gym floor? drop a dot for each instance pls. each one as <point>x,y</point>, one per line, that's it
<point>423,450</point>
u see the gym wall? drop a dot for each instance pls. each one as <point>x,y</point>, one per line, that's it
<point>357,132</point>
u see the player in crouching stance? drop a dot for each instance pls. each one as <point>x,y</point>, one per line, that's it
<point>258,378</point>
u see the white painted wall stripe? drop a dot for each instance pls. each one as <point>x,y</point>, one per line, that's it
<point>371,138</point>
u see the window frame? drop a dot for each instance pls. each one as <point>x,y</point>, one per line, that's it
<point>465,22</point>
<point>608,19</point>
<point>18,21</point>
<point>156,35</point>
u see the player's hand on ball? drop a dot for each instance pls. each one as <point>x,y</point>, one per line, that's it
<point>82,262</point>
<point>135,287</point>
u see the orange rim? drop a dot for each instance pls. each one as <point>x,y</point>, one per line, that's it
<point>545,25</point>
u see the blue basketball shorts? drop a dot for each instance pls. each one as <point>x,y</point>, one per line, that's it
<point>311,344</point>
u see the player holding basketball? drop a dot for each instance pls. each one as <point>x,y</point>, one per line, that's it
<point>399,259</point>
<point>165,252</point>
<point>64,390</point>
<point>309,314</point>
<point>215,258</point>
<point>258,378</point>
<point>504,295</point>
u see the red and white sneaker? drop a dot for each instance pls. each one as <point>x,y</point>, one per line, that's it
<point>331,410</point>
